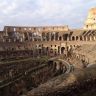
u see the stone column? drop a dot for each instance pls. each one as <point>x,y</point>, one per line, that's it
<point>23,37</point>
<point>68,38</point>
<point>86,38</point>
<point>59,49</point>
<point>90,38</point>
<point>94,38</point>
<point>28,36</point>
<point>49,36</point>
<point>54,36</point>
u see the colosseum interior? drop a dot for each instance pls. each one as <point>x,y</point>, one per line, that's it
<point>48,60</point>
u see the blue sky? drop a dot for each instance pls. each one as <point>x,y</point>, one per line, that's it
<point>44,12</point>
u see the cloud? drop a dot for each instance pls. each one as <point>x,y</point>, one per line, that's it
<point>45,12</point>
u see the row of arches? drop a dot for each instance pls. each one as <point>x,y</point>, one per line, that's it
<point>53,49</point>
<point>66,37</point>
<point>83,38</point>
<point>49,36</point>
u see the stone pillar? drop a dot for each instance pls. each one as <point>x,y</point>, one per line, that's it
<point>23,36</point>
<point>90,38</point>
<point>94,38</point>
<point>59,49</point>
<point>54,37</point>
<point>78,38</point>
<point>49,36</point>
<point>68,38</point>
<point>28,36</point>
<point>86,38</point>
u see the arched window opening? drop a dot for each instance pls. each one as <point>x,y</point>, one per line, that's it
<point>62,50</point>
<point>73,38</point>
<point>77,37</point>
<point>81,38</point>
<point>60,38</point>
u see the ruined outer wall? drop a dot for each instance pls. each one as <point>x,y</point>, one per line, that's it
<point>90,23</point>
<point>34,28</point>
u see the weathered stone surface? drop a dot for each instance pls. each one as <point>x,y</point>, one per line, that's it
<point>64,81</point>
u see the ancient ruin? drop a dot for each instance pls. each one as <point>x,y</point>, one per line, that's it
<point>91,20</point>
<point>48,60</point>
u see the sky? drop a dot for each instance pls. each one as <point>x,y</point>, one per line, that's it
<point>44,12</point>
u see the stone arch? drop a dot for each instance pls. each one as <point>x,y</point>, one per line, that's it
<point>60,38</point>
<point>25,36</point>
<point>90,38</point>
<point>81,38</point>
<point>62,50</point>
<point>55,52</point>
<point>51,50</point>
<point>53,36</point>
<point>65,37</point>
<point>48,36</point>
<point>59,51</point>
<point>30,36</point>
<point>43,36</point>
<point>73,38</point>
<point>77,38</point>
<point>56,35</point>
